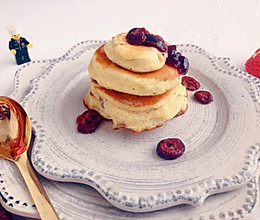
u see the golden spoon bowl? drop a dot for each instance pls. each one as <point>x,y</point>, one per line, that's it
<point>15,136</point>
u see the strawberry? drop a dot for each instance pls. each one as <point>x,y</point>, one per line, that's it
<point>253,64</point>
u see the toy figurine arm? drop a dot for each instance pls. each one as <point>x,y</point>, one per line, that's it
<point>29,45</point>
<point>11,47</point>
<point>13,51</point>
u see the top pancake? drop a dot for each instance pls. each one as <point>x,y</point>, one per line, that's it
<point>112,76</point>
<point>137,58</point>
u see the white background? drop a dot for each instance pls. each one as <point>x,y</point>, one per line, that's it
<point>223,28</point>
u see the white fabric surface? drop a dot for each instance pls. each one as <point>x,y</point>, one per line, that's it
<point>223,28</point>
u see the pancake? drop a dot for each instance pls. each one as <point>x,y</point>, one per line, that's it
<point>138,113</point>
<point>112,76</point>
<point>136,58</point>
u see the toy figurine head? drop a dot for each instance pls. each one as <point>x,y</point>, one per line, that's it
<point>15,32</point>
<point>16,36</point>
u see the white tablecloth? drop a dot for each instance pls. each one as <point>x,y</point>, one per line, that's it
<point>223,28</point>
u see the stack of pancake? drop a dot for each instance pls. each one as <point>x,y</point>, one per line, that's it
<point>132,86</point>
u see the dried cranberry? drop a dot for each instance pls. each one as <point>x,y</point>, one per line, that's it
<point>203,97</point>
<point>170,148</point>
<point>171,48</point>
<point>173,59</point>
<point>190,83</point>
<point>155,41</point>
<point>181,63</point>
<point>89,121</point>
<point>136,36</point>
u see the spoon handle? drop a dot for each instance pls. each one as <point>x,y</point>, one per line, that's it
<point>39,196</point>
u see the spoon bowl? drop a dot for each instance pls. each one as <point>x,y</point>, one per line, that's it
<point>15,136</point>
<point>15,129</point>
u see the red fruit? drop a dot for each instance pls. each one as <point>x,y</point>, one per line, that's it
<point>204,97</point>
<point>181,63</point>
<point>136,36</point>
<point>253,64</point>
<point>190,83</point>
<point>89,121</point>
<point>171,48</point>
<point>140,36</point>
<point>155,41</point>
<point>170,148</point>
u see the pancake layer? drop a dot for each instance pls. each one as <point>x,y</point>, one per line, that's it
<point>138,113</point>
<point>112,76</point>
<point>136,58</point>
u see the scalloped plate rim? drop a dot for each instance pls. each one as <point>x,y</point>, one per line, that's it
<point>196,47</point>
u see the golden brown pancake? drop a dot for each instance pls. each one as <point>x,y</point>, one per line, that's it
<point>138,113</point>
<point>112,76</point>
<point>137,58</point>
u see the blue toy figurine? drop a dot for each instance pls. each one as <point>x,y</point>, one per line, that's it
<point>18,46</point>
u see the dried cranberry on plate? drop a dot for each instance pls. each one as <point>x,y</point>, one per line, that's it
<point>88,121</point>
<point>190,83</point>
<point>203,97</point>
<point>170,148</point>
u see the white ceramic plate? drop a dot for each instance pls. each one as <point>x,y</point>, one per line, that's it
<point>85,200</point>
<point>221,138</point>
<point>78,201</point>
